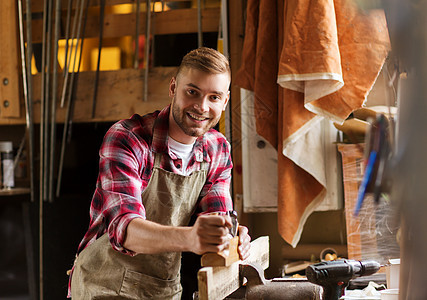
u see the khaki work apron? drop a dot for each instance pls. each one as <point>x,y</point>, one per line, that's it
<point>100,272</point>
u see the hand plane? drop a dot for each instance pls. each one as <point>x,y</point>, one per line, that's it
<point>228,256</point>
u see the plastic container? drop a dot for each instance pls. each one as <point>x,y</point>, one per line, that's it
<point>393,273</point>
<point>7,165</point>
<point>390,294</point>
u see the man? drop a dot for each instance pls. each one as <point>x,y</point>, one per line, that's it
<point>155,172</point>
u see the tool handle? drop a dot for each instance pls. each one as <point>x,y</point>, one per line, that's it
<point>332,292</point>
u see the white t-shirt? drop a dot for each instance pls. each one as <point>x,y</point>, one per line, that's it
<point>183,151</point>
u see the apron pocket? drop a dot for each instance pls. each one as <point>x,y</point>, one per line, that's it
<point>141,286</point>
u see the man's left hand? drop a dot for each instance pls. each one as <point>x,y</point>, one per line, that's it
<point>244,242</point>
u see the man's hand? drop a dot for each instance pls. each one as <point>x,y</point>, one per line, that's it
<point>210,233</point>
<point>244,242</point>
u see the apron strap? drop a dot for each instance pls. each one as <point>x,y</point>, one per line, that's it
<point>157,160</point>
<point>204,165</point>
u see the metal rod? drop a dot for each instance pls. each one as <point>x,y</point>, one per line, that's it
<point>43,99</point>
<point>199,24</point>
<point>68,111</point>
<point>47,101</point>
<point>74,83</point>
<point>101,31</point>
<point>138,17</point>
<point>224,26</point>
<point>19,151</point>
<point>147,49</point>
<point>67,33</point>
<point>53,103</point>
<point>68,60</point>
<point>28,120</point>
<point>24,76</point>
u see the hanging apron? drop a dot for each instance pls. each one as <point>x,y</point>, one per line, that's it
<point>100,272</point>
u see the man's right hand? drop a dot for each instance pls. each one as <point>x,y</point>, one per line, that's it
<point>210,233</point>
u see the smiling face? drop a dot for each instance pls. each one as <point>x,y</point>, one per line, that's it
<point>198,99</point>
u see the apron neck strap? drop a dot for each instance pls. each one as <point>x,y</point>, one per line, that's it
<point>204,165</point>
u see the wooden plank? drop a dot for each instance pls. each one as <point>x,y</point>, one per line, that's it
<point>120,95</point>
<point>9,60</point>
<point>218,282</point>
<point>167,22</point>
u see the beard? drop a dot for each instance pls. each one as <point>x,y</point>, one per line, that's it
<point>190,128</point>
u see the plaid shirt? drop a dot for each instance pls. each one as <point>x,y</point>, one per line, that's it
<point>126,163</point>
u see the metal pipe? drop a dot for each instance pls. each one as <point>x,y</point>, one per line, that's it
<point>54,96</point>
<point>74,83</point>
<point>199,24</point>
<point>101,31</point>
<point>28,119</point>
<point>137,21</point>
<point>147,49</point>
<point>43,98</point>
<point>30,126</point>
<point>67,33</point>
<point>69,106</point>
<point>68,60</point>
<point>24,76</point>
<point>47,101</point>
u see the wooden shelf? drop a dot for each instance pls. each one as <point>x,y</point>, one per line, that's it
<point>14,191</point>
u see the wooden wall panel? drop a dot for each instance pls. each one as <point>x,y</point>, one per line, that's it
<point>9,60</point>
<point>120,95</point>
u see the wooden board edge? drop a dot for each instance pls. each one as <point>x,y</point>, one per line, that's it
<point>219,282</point>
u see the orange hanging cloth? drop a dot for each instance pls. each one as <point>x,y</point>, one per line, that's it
<point>330,54</point>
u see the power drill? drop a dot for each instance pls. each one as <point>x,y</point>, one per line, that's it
<point>335,275</point>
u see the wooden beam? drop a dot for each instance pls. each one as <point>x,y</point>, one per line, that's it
<point>120,95</point>
<point>168,22</point>
<point>9,60</point>
<point>37,5</point>
<point>219,282</point>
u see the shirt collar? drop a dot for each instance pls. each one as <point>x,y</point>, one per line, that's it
<point>160,137</point>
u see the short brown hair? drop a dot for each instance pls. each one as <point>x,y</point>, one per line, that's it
<point>207,60</point>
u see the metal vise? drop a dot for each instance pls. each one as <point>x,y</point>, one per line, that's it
<point>257,287</point>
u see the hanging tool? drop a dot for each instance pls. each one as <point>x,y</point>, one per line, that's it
<point>335,275</point>
<point>68,116</point>
<point>137,21</point>
<point>147,48</point>
<point>377,151</point>
<point>101,31</point>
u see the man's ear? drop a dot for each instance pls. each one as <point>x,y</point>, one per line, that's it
<point>226,101</point>
<point>172,87</point>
